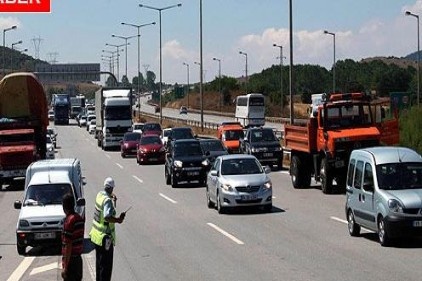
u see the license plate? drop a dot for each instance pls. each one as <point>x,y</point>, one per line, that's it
<point>417,223</point>
<point>45,235</point>
<point>268,154</point>
<point>153,159</point>
<point>193,173</point>
<point>249,197</point>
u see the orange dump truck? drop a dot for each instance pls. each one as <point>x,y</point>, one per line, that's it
<point>321,148</point>
<point>23,124</point>
<point>230,134</point>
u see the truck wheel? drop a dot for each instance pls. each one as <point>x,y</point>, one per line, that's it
<point>21,250</point>
<point>326,178</point>
<point>300,173</point>
<point>341,182</point>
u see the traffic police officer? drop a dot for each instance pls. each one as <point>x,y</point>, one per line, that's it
<point>103,233</point>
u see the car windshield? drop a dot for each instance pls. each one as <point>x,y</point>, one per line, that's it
<point>152,127</point>
<point>187,149</point>
<point>396,176</point>
<point>212,146</point>
<point>182,134</point>
<point>132,137</point>
<point>46,194</point>
<point>262,135</point>
<point>240,167</point>
<point>233,135</point>
<point>151,140</point>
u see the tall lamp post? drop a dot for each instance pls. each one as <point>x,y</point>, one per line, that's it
<point>138,27</point>
<point>11,55</point>
<point>419,60</point>
<point>219,79</point>
<point>161,55</point>
<point>246,68</point>
<point>334,60</point>
<point>126,43</point>
<point>4,44</point>
<point>281,77</point>
<point>117,50</point>
<point>187,72</point>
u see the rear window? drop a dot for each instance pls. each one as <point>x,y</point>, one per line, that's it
<point>132,137</point>
<point>150,140</point>
<point>152,127</point>
<point>212,146</point>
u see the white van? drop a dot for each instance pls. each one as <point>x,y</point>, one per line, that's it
<point>41,213</point>
<point>384,192</point>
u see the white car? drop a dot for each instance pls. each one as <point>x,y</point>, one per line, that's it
<point>50,148</point>
<point>165,135</point>
<point>137,127</point>
<point>92,126</point>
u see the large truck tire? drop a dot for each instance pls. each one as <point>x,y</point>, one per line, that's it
<point>300,173</point>
<point>326,177</point>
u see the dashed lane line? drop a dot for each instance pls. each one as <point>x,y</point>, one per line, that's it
<point>138,179</point>
<point>108,156</point>
<point>345,222</point>
<point>168,198</point>
<point>225,233</point>
<point>120,166</point>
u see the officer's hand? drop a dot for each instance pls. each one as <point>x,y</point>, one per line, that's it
<point>122,217</point>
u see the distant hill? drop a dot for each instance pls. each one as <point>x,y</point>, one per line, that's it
<point>15,60</point>
<point>400,62</point>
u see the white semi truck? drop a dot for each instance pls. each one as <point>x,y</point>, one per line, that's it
<point>113,110</point>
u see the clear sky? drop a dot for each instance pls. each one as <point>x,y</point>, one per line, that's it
<point>76,31</point>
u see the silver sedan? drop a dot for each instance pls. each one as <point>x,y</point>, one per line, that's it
<point>238,180</point>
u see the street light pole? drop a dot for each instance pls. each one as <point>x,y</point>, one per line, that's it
<point>4,44</point>
<point>187,72</point>
<point>126,43</point>
<point>334,63</point>
<point>11,55</point>
<point>117,49</point>
<point>281,78</point>
<point>138,27</point>
<point>112,58</point>
<point>246,68</point>
<point>161,55</point>
<point>419,60</point>
<point>219,80</point>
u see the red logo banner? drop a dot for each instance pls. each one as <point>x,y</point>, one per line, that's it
<point>25,6</point>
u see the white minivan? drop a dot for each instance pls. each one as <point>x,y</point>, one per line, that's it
<point>41,212</point>
<point>384,192</point>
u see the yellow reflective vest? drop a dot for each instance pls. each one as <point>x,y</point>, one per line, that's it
<point>100,227</point>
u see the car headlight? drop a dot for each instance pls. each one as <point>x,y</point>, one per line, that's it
<point>205,162</point>
<point>226,187</point>
<point>178,164</point>
<point>253,149</point>
<point>23,223</point>
<point>395,206</point>
<point>277,148</point>
<point>268,184</point>
<point>126,145</point>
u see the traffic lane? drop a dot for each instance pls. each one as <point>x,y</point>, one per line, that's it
<point>294,228</point>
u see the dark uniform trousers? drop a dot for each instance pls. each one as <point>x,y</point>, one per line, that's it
<point>104,261</point>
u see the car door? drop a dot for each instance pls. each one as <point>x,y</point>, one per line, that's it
<point>367,197</point>
<point>213,180</point>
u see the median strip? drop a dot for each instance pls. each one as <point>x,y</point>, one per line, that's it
<point>228,235</point>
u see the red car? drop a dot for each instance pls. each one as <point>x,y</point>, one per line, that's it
<point>129,144</point>
<point>152,128</point>
<point>150,149</point>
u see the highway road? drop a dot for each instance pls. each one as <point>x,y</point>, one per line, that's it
<point>170,234</point>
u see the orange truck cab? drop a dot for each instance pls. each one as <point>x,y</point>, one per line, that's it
<point>321,148</point>
<point>230,134</point>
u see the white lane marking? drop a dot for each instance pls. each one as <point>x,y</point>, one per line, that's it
<point>138,179</point>
<point>228,235</point>
<point>20,270</point>
<point>168,198</point>
<point>108,156</point>
<point>54,265</point>
<point>120,166</point>
<point>345,222</point>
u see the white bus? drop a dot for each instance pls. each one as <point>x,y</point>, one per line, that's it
<point>250,110</point>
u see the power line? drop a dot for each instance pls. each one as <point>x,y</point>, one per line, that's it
<point>37,43</point>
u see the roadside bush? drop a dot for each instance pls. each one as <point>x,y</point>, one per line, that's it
<point>411,128</point>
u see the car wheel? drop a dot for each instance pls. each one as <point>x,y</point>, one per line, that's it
<point>220,209</point>
<point>354,229</point>
<point>210,204</point>
<point>173,181</point>
<point>383,237</point>
<point>21,250</point>
<point>123,155</point>
<point>326,178</point>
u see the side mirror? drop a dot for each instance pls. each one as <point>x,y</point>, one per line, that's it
<point>17,204</point>
<point>214,173</point>
<point>83,181</point>
<point>80,202</point>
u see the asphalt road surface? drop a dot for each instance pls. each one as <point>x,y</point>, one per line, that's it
<point>170,234</point>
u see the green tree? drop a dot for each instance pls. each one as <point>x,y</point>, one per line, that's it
<point>125,81</point>
<point>411,128</point>
<point>150,83</point>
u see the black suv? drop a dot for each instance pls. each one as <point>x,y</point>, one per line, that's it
<point>264,145</point>
<point>180,133</point>
<point>185,162</point>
